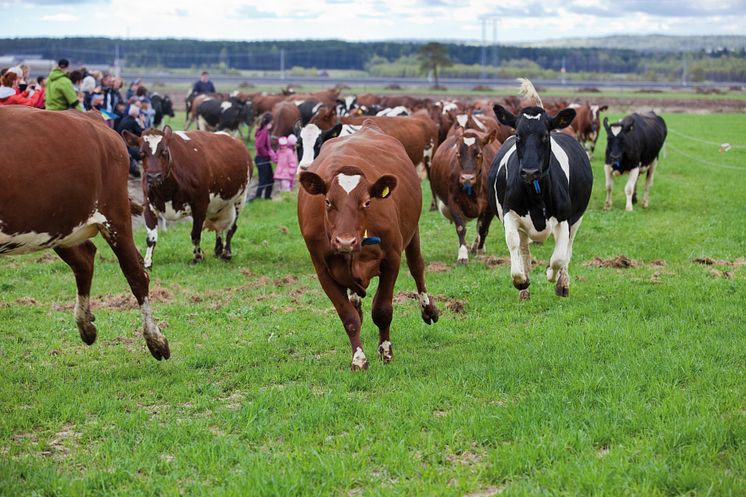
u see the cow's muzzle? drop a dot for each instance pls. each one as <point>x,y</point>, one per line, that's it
<point>154,179</point>
<point>346,244</point>
<point>530,175</point>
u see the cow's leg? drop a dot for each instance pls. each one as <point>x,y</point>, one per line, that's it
<point>609,185</point>
<point>648,184</point>
<point>383,308</point>
<point>198,220</point>
<point>631,186</point>
<point>227,253</point>
<point>357,303</point>
<point>80,259</point>
<point>483,228</point>
<point>458,220</point>
<point>119,238</point>
<point>151,225</point>
<point>557,270</point>
<point>417,270</point>
<point>516,240</point>
<point>219,243</point>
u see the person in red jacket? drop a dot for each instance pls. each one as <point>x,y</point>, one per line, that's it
<point>9,94</point>
<point>265,155</point>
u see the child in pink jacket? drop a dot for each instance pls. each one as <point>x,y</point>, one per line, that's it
<point>287,163</point>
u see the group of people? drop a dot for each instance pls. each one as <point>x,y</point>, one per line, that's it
<point>285,157</point>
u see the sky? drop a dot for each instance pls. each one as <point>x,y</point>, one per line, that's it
<point>352,20</point>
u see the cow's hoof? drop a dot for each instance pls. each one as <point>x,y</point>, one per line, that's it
<point>359,361</point>
<point>607,206</point>
<point>562,291</point>
<point>524,295</point>
<point>644,204</point>
<point>195,261</point>
<point>462,261</point>
<point>628,208</point>
<point>158,347</point>
<point>433,207</point>
<point>386,352</point>
<point>88,331</point>
<point>226,256</point>
<point>477,251</point>
<point>563,284</point>
<point>551,274</point>
<point>430,314</point>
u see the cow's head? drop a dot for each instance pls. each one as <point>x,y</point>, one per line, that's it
<point>167,106</point>
<point>347,198</point>
<point>156,157</point>
<point>310,141</point>
<point>469,157</point>
<point>532,127</point>
<point>616,138</point>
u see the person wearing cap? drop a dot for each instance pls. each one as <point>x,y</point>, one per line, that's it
<point>60,93</point>
<point>132,90</point>
<point>147,111</point>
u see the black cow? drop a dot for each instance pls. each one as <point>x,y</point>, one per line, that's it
<point>307,109</point>
<point>632,146</point>
<point>540,183</point>
<point>225,115</point>
<point>162,106</point>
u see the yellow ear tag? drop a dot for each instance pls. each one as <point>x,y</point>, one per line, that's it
<point>385,192</point>
<point>366,233</point>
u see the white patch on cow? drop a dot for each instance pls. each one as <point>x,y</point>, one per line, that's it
<point>82,308</point>
<point>443,209</point>
<point>152,238</point>
<point>469,141</point>
<point>224,133</point>
<point>574,106</point>
<point>309,134</point>
<point>594,111</point>
<point>504,162</point>
<point>463,253</point>
<point>449,106</point>
<point>316,108</point>
<point>480,124</point>
<point>298,103</point>
<point>221,212</point>
<point>171,214</point>
<point>348,183</point>
<point>354,298</point>
<point>394,111</point>
<point>182,135</point>
<point>349,100</point>
<point>152,141</point>
<point>462,119</point>
<point>529,116</point>
<point>32,241</point>
<point>526,224</point>
<point>616,129</point>
<point>358,359</point>
<point>385,349</point>
<point>561,157</point>
<point>225,106</point>
<point>424,299</point>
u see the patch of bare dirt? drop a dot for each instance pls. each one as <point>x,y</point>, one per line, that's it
<point>492,261</point>
<point>468,457</point>
<point>46,258</point>
<point>26,301</point>
<point>658,263</point>
<point>121,301</point>
<point>454,305</point>
<point>284,230</point>
<point>720,274</point>
<point>709,261</point>
<point>489,491</point>
<point>285,280</point>
<point>61,442</point>
<point>437,267</point>
<point>620,261</point>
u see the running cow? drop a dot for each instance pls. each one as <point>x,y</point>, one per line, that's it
<point>632,146</point>
<point>459,180</point>
<point>64,181</point>
<point>358,209</point>
<point>539,184</point>
<point>199,174</point>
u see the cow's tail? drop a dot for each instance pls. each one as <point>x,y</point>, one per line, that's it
<point>529,93</point>
<point>136,208</point>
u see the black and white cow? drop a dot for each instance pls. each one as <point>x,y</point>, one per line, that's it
<point>539,184</point>
<point>346,104</point>
<point>632,146</point>
<point>312,137</point>
<point>307,109</point>
<point>162,106</point>
<point>223,115</point>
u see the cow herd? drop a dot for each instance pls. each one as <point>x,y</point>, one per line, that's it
<point>360,196</point>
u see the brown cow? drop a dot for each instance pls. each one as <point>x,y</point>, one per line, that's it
<point>199,174</point>
<point>586,125</point>
<point>64,180</point>
<point>459,180</point>
<point>358,208</point>
<point>286,117</point>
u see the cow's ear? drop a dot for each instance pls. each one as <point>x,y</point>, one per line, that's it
<point>603,108</point>
<point>562,119</point>
<point>629,127</point>
<point>606,125</point>
<point>167,133</point>
<point>331,133</point>
<point>130,138</point>
<point>503,115</point>
<point>312,183</point>
<point>383,187</point>
<point>492,136</point>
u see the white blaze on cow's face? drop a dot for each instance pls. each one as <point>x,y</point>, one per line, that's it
<point>348,183</point>
<point>153,141</point>
<point>308,135</point>
<point>462,119</point>
<point>225,106</point>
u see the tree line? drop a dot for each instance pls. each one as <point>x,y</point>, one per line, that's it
<point>727,65</point>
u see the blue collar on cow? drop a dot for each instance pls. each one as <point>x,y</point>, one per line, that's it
<point>370,240</point>
<point>469,190</point>
<point>536,186</point>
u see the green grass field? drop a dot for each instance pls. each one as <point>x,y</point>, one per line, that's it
<point>634,385</point>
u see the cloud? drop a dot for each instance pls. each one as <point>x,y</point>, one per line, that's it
<point>252,12</point>
<point>60,18</point>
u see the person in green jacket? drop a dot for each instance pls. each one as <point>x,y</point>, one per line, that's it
<point>60,94</point>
